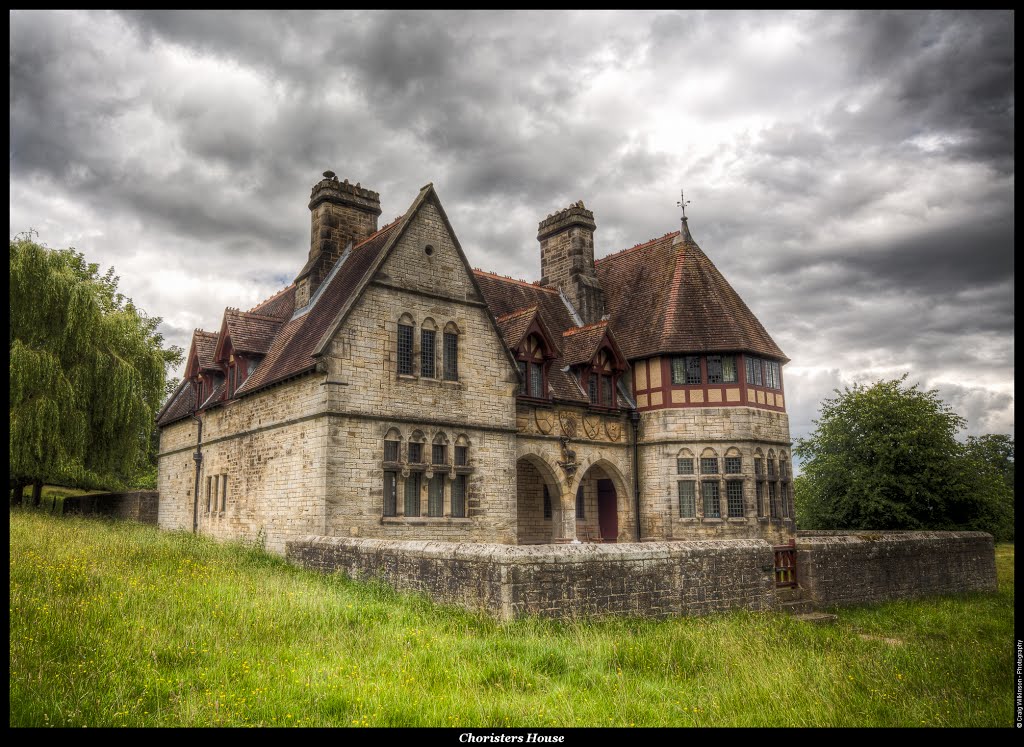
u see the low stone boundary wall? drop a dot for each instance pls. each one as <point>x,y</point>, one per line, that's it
<point>137,505</point>
<point>652,579</point>
<point>840,568</point>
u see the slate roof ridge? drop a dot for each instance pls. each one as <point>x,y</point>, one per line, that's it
<point>585,327</point>
<point>636,247</point>
<point>378,232</point>
<point>517,312</point>
<point>273,297</point>
<point>517,281</point>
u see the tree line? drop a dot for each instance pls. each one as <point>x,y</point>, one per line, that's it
<point>88,373</point>
<point>886,456</point>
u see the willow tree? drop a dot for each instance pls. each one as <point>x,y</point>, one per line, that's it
<point>87,373</point>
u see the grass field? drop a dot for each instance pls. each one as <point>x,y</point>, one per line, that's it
<point>117,624</point>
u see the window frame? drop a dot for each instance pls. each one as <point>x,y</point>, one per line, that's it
<point>450,356</point>
<point>405,349</point>
<point>732,501</point>
<point>691,487</point>
<point>428,353</point>
<point>715,500</point>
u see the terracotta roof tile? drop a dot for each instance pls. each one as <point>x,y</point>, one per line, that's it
<point>513,326</point>
<point>249,332</point>
<point>206,346</point>
<point>509,298</point>
<point>291,351</point>
<point>280,305</point>
<point>180,404</point>
<point>579,344</point>
<point>666,296</point>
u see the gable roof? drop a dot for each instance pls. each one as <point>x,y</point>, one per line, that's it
<point>204,344</point>
<point>292,349</point>
<point>518,303</point>
<point>666,296</point>
<point>580,344</point>
<point>517,325</point>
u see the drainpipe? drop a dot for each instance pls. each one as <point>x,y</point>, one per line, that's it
<point>198,456</point>
<point>634,418</point>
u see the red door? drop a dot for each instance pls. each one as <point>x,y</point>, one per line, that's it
<point>607,511</point>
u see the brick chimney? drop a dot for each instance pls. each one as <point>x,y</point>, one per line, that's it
<point>567,259</point>
<point>341,213</point>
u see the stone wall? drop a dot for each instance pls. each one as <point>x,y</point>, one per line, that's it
<point>268,449</point>
<point>650,579</point>
<point>745,431</point>
<point>137,505</point>
<point>841,568</point>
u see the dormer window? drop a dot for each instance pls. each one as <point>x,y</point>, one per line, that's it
<point>601,380</point>
<point>532,368</point>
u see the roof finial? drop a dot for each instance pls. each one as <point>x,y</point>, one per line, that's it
<point>684,228</point>
<point>683,202</point>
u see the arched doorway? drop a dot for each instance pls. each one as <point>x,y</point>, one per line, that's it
<point>599,505</point>
<point>538,503</point>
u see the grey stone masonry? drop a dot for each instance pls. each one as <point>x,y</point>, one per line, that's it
<point>567,259</point>
<point>137,505</point>
<point>840,568</point>
<point>654,579</point>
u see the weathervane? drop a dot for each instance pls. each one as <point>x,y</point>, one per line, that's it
<point>683,202</point>
<point>684,233</point>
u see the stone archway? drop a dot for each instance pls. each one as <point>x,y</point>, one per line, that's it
<point>602,505</point>
<point>539,513</point>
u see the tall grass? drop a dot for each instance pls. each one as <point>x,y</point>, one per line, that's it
<point>117,624</point>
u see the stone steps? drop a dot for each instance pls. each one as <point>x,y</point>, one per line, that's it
<point>792,601</point>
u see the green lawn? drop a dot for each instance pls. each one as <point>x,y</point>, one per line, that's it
<point>117,624</point>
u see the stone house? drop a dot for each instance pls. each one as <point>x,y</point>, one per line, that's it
<point>391,391</point>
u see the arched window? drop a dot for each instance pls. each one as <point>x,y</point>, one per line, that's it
<point>684,462</point>
<point>416,441</point>
<point>733,461</point>
<point>709,462</point>
<point>462,451</point>
<point>439,449</point>
<point>451,352</point>
<point>393,446</point>
<point>392,455</point>
<point>460,484</point>
<point>428,349</point>
<point>406,326</point>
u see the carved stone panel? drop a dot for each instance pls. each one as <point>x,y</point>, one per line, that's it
<point>568,422</point>
<point>545,420</point>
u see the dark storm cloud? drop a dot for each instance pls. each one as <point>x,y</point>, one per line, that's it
<point>852,173</point>
<point>942,72</point>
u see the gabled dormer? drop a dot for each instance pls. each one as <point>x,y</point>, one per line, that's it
<point>533,347</point>
<point>202,371</point>
<point>245,337</point>
<point>596,360</point>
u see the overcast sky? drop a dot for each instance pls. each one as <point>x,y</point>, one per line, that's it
<point>851,174</point>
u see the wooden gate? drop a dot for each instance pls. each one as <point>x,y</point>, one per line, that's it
<point>785,565</point>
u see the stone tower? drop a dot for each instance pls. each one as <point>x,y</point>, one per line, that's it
<point>567,259</point>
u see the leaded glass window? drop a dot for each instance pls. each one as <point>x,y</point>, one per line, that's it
<point>712,504</point>
<point>427,353</point>
<point>734,497</point>
<point>687,499</point>
<point>405,349</point>
<point>451,356</point>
